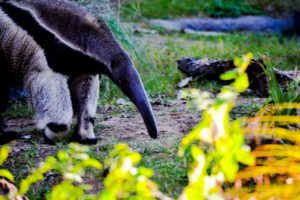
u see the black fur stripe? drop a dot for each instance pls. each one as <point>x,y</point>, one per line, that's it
<point>92,120</point>
<point>57,127</point>
<point>61,58</point>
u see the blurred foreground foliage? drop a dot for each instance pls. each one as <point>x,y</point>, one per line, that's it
<point>124,180</point>
<point>276,174</point>
<point>229,170</point>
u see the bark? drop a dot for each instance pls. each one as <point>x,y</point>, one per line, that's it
<point>205,68</point>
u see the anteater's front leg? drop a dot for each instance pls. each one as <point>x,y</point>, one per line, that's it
<point>84,94</point>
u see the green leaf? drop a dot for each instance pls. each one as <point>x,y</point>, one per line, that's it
<point>4,153</point>
<point>232,74</point>
<point>48,165</point>
<point>6,174</point>
<point>145,171</point>
<point>78,147</point>
<point>2,198</point>
<point>24,187</point>
<point>107,195</point>
<point>241,83</point>
<point>81,156</point>
<point>135,157</point>
<point>92,163</point>
<point>229,167</point>
<point>196,151</point>
<point>238,61</point>
<point>245,157</point>
<point>62,155</point>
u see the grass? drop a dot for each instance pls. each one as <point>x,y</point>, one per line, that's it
<point>161,8</point>
<point>161,76</point>
<point>19,109</point>
<point>137,9</point>
<point>155,55</point>
<point>170,172</point>
<point>155,60</point>
<point>279,96</point>
<point>156,63</point>
<point>276,6</point>
<point>178,8</point>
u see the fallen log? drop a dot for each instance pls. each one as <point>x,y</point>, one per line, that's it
<point>206,68</point>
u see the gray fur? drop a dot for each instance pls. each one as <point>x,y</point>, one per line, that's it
<point>85,93</point>
<point>67,22</point>
<point>48,91</point>
<point>53,95</point>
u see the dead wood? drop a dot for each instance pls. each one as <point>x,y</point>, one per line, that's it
<point>206,68</point>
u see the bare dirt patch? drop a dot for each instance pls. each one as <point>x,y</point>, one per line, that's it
<point>174,120</point>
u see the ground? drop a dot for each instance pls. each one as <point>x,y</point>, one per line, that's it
<point>119,122</point>
<point>154,56</point>
<point>114,125</point>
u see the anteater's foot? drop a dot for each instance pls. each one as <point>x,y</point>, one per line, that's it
<point>54,132</point>
<point>84,136</point>
<point>77,138</point>
<point>84,132</point>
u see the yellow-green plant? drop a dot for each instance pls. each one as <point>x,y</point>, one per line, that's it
<point>3,156</point>
<point>289,95</point>
<point>125,181</point>
<point>277,172</point>
<point>4,152</point>
<point>209,171</point>
<point>71,163</point>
